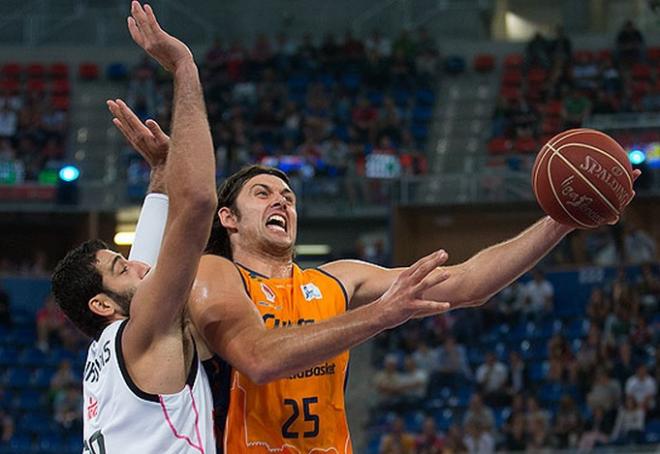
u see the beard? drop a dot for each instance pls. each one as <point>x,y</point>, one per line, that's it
<point>123,299</point>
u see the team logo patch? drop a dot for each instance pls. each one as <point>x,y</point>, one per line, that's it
<point>311,292</point>
<point>268,293</point>
<point>270,305</point>
<point>92,408</point>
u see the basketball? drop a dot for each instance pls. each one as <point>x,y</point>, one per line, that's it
<point>582,178</point>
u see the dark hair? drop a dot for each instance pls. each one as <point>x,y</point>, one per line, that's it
<point>75,281</point>
<point>218,243</point>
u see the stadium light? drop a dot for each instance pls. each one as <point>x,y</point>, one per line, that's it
<point>124,238</point>
<point>636,157</point>
<point>69,174</point>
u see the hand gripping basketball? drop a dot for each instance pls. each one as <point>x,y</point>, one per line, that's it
<point>583,178</point>
<point>404,299</point>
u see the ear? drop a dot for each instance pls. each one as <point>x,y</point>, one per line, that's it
<point>227,218</point>
<point>101,305</point>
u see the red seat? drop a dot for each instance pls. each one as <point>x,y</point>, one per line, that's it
<point>512,78</point>
<point>60,102</point>
<point>11,70</point>
<point>510,93</point>
<point>641,72</point>
<point>552,108</point>
<point>89,71</point>
<point>58,71</point>
<point>35,70</point>
<point>526,145</point>
<point>36,85</point>
<point>551,126</point>
<point>653,54</point>
<point>484,63</point>
<point>60,87</point>
<point>10,86</point>
<point>536,76</point>
<point>604,55</point>
<point>499,145</point>
<point>584,56</point>
<point>513,61</point>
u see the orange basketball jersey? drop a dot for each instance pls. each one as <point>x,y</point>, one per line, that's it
<point>304,413</point>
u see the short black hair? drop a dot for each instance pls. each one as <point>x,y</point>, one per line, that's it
<point>218,243</point>
<point>75,281</point>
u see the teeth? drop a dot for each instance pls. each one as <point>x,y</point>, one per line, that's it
<point>277,221</point>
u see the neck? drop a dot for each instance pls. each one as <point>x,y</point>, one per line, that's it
<point>263,263</point>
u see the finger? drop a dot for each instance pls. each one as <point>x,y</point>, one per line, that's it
<point>132,120</point>
<point>137,11</point>
<point>158,133</point>
<point>426,265</point>
<point>636,174</point>
<point>118,124</point>
<point>427,307</point>
<point>152,22</point>
<point>135,32</point>
<point>433,279</point>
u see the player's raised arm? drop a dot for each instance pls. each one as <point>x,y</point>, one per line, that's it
<point>152,144</point>
<point>232,327</point>
<point>190,180</point>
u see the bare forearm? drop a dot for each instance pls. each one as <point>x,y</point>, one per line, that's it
<point>157,180</point>
<point>281,352</point>
<point>191,162</point>
<point>494,268</point>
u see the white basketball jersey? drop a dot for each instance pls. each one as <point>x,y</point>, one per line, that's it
<point>121,418</point>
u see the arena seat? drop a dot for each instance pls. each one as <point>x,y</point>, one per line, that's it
<point>513,61</point>
<point>11,70</point>
<point>483,63</point>
<point>35,70</point>
<point>499,145</point>
<point>58,70</point>
<point>88,71</point>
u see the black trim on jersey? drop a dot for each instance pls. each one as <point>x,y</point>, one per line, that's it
<point>190,380</point>
<point>251,271</point>
<point>245,284</point>
<point>343,289</point>
<point>219,373</point>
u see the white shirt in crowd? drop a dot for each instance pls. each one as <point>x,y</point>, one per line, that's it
<point>641,389</point>
<point>492,377</point>
<point>537,294</point>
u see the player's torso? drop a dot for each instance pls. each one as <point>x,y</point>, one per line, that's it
<point>118,416</point>
<point>304,413</point>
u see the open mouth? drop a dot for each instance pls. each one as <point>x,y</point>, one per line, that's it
<point>276,222</point>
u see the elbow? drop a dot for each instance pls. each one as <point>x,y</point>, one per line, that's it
<point>261,371</point>
<point>198,202</point>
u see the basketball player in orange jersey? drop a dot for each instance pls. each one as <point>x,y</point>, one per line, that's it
<point>249,270</point>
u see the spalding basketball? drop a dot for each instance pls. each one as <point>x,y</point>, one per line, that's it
<point>583,178</point>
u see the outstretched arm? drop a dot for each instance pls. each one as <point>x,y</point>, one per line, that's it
<point>470,283</point>
<point>232,326</point>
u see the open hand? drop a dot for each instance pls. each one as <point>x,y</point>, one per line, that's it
<point>147,33</point>
<point>404,299</point>
<point>146,138</point>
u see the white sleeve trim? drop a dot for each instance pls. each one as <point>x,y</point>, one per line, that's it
<point>150,228</point>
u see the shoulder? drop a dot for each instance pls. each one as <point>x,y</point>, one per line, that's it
<point>215,275</point>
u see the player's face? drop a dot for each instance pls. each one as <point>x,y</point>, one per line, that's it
<point>120,276</point>
<point>267,208</point>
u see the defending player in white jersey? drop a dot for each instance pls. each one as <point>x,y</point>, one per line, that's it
<point>144,388</point>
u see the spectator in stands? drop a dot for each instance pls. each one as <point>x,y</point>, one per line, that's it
<point>492,378</point>
<point>413,382</point>
<point>50,324</point>
<point>518,380</point>
<point>535,415</point>
<point>283,51</point>
<point>8,122</point>
<point>511,302</point>
<point>568,423</point>
<point>7,427</point>
<point>388,383</point>
<point>539,293</point>
<point>623,365</point>
<point>597,431</point>
<point>598,307</point>
<point>561,363</point>
<point>610,78</point>
<point>639,246</point>
<point>478,438</point>
<point>5,308</point>
<point>365,118</point>
<point>539,438</point>
<point>515,433</point>
<point>643,388</point>
<point>604,103</point>
<point>605,394</point>
<point>618,325</point>
<point>353,49</point>
<point>575,109</point>
<point>454,442</point>
<point>586,74</point>
<point>588,357</point>
<point>478,414</point>
<point>397,440</point>
<point>67,406</point>
<point>429,441</point>
<point>648,287</point>
<point>404,45</point>
<point>561,48</point>
<point>378,44</point>
<point>629,425</point>
<point>216,56</point>
<point>525,119</point>
<point>452,362</point>
<point>537,52</point>
<point>330,53</point>
<point>426,358</point>
<point>629,45</point>
<point>61,380</point>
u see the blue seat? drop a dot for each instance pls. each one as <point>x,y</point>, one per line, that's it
<point>537,371</point>
<point>20,443</point>
<point>425,97</point>
<point>419,131</point>
<point>351,81</point>
<point>422,114</point>
<point>33,357</point>
<point>8,356</point>
<point>401,97</point>
<point>328,80</point>
<point>116,71</point>
<point>375,98</point>
<point>41,377</point>
<point>17,377</point>
<point>444,419</point>
<point>652,431</point>
<point>454,64</point>
<point>413,421</point>
<point>51,443</point>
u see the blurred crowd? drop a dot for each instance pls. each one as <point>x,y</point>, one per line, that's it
<point>526,372</point>
<point>339,107</point>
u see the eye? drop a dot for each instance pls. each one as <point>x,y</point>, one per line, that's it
<point>124,269</point>
<point>262,193</point>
